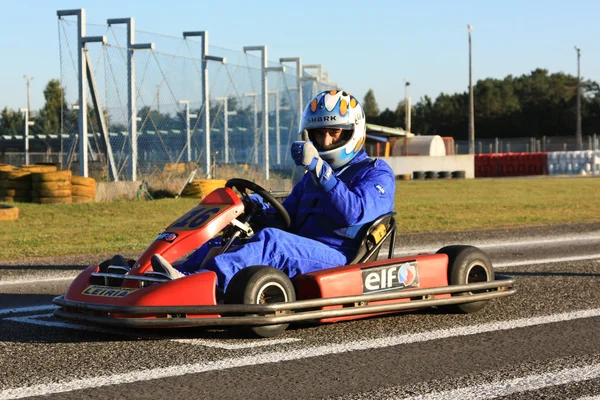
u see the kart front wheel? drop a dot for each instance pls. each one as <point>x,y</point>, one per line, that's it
<point>467,264</point>
<point>260,285</point>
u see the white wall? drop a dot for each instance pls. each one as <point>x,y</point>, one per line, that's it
<point>408,164</point>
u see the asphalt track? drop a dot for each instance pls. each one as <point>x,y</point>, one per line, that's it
<point>542,342</point>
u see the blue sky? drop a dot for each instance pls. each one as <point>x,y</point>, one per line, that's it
<point>362,44</point>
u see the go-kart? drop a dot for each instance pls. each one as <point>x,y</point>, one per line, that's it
<point>262,300</point>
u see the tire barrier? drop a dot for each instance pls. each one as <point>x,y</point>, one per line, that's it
<point>445,175</point>
<point>510,164</point>
<point>44,184</point>
<point>51,187</point>
<point>404,177</point>
<point>418,175</point>
<point>201,187</point>
<point>8,213</point>
<point>584,162</point>
<point>38,168</point>
<point>459,174</point>
<point>431,174</point>
<point>83,190</point>
<point>15,186</point>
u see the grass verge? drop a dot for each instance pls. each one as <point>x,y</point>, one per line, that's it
<point>422,206</point>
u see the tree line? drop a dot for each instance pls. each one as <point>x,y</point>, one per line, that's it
<point>534,105</point>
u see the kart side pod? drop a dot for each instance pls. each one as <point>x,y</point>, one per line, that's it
<point>412,272</point>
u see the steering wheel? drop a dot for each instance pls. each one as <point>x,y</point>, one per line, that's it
<point>242,185</point>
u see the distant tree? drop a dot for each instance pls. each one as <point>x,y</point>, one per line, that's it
<point>11,122</point>
<point>49,119</point>
<point>369,104</point>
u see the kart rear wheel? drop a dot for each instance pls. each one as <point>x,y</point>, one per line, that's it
<point>467,264</point>
<point>260,285</point>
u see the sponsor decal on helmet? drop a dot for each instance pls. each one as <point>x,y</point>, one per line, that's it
<point>167,236</point>
<point>322,119</point>
<point>388,277</point>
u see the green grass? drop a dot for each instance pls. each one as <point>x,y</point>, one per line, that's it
<point>422,206</point>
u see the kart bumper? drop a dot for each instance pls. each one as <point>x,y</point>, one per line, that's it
<point>281,313</point>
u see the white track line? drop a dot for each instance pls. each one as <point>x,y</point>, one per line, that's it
<point>287,355</point>
<point>246,345</point>
<point>546,261</point>
<point>517,385</point>
<point>489,245</point>
<point>19,310</point>
<point>34,319</point>
<point>34,281</point>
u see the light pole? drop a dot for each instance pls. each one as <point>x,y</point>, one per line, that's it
<point>471,105</point>
<point>28,123</point>
<point>578,128</point>
<point>407,112</point>
<point>28,80</point>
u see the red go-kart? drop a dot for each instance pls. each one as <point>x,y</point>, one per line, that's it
<point>262,300</point>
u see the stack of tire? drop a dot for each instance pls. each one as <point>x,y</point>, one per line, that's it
<point>202,187</point>
<point>15,185</point>
<point>51,187</point>
<point>5,170</point>
<point>83,189</point>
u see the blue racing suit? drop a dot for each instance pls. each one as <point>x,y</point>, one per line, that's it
<point>324,224</point>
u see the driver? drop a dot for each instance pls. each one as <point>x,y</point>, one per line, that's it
<point>342,190</point>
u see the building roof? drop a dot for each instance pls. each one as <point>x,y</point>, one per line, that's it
<point>384,131</point>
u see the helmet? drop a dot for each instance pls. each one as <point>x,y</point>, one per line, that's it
<point>336,109</point>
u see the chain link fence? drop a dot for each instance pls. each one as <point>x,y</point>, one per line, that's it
<point>167,79</point>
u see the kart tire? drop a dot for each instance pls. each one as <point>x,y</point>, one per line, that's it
<point>57,176</point>
<point>260,285</point>
<point>83,181</point>
<point>86,191</point>
<point>467,264</point>
<point>8,213</point>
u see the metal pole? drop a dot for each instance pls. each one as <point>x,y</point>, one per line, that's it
<point>277,130</point>
<point>205,92</point>
<point>28,123</point>
<point>578,135</point>
<point>254,125</point>
<point>225,127</point>
<point>319,69</point>
<point>188,135</point>
<point>471,101</point>
<point>265,99</point>
<point>82,118</point>
<point>28,80</point>
<point>406,83</point>
<point>131,98</point>
<point>299,81</point>
<point>83,137</point>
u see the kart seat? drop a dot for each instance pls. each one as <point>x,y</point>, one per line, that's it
<point>374,234</point>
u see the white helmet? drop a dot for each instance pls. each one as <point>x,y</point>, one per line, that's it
<point>336,109</point>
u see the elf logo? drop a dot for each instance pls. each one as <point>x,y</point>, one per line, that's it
<point>388,277</point>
